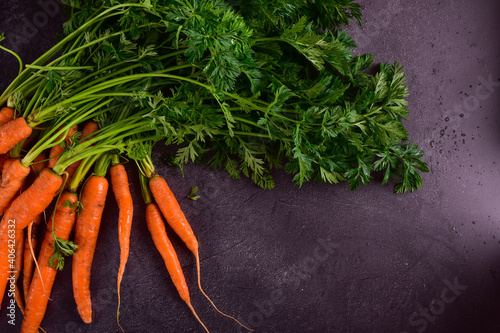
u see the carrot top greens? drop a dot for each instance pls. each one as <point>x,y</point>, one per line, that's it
<point>242,86</point>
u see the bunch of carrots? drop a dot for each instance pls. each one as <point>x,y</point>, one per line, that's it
<point>192,74</point>
<point>65,158</point>
<point>68,122</point>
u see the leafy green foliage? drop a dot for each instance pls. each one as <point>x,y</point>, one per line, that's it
<point>245,87</point>
<point>62,249</point>
<point>192,195</point>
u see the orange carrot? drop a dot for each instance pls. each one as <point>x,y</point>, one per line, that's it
<point>30,243</point>
<point>90,128</point>
<point>6,115</point>
<point>3,159</point>
<point>164,246</point>
<point>172,212</point>
<point>22,211</point>
<point>12,133</point>
<point>57,150</point>
<point>39,163</point>
<point>29,140</point>
<point>8,162</point>
<point>12,180</point>
<point>41,286</point>
<point>18,266</point>
<point>86,232</point>
<point>87,132</point>
<point>177,220</point>
<point>121,190</point>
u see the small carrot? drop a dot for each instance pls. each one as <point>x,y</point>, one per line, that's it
<point>57,150</point>
<point>3,158</point>
<point>27,142</point>
<point>6,115</point>
<point>22,211</point>
<point>18,266</point>
<point>121,190</point>
<point>8,162</point>
<point>12,180</point>
<point>59,229</point>
<point>86,232</point>
<point>177,220</point>
<point>39,163</point>
<point>87,131</point>
<point>12,133</point>
<point>30,244</point>
<point>157,229</point>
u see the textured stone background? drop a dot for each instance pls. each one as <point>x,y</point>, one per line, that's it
<point>321,258</point>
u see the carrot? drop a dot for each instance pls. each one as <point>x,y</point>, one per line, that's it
<point>86,232</point>
<point>22,211</point>
<point>12,180</point>
<point>156,227</point>
<point>6,115</point>
<point>8,162</point>
<point>3,159</point>
<point>34,199</point>
<point>30,244</point>
<point>121,190</point>
<point>57,150</point>
<point>172,212</point>
<point>90,128</point>
<point>39,163</point>
<point>177,220</point>
<point>18,265</point>
<point>29,140</point>
<point>87,131</point>
<point>62,221</point>
<point>12,133</point>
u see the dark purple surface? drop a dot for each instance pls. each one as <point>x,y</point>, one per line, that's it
<point>321,258</point>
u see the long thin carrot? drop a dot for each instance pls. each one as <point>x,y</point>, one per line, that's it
<point>41,286</point>
<point>18,266</point>
<point>6,115</point>
<point>156,227</point>
<point>22,211</point>
<point>177,220</point>
<point>121,190</point>
<point>30,243</point>
<point>12,133</point>
<point>172,212</point>
<point>12,180</point>
<point>86,232</point>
